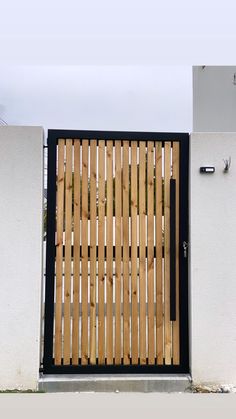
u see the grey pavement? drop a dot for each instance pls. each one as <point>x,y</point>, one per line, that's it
<point>118,405</point>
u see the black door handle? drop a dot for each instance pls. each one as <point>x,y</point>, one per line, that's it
<point>172,249</point>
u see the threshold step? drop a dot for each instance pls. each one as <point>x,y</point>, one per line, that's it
<point>114,383</point>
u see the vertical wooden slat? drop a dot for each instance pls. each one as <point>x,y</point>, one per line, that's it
<point>101,213</point>
<point>142,252</point>
<point>167,253</point>
<point>158,226</point>
<point>109,258</point>
<point>134,297</point>
<point>93,206</point>
<point>126,311</point>
<point>76,278</point>
<point>150,251</point>
<point>59,252</point>
<point>84,233</point>
<point>176,342</point>
<point>118,252</point>
<point>68,229</point>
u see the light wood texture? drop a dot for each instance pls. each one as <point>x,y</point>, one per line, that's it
<point>158,227</point>
<point>84,233</point>
<point>109,257</point>
<point>176,341</point>
<point>76,278</point>
<point>127,330</point>
<point>150,250</point>
<point>68,230</point>
<point>134,284</point>
<point>167,253</point>
<point>142,252</point>
<point>101,236</point>
<point>126,311</point>
<point>59,252</point>
<point>118,202</point>
<point>93,206</point>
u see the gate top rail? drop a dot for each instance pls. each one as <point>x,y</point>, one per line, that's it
<point>55,134</point>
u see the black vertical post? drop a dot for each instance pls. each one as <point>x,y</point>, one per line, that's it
<point>50,254</point>
<point>183,261</point>
<point>172,250</point>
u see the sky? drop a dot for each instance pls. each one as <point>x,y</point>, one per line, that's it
<point>134,98</point>
<point>117,18</point>
<point>115,65</point>
<point>118,32</point>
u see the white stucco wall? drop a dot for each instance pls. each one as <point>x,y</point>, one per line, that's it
<point>213,259</point>
<point>21,186</point>
<point>214,99</point>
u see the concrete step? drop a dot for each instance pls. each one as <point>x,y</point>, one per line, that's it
<point>114,383</point>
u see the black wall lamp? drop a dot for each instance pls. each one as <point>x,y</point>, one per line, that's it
<point>207,169</point>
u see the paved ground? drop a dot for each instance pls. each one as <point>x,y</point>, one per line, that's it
<point>121,405</point>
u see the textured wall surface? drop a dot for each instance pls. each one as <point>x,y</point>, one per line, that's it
<point>212,259</point>
<point>21,186</point>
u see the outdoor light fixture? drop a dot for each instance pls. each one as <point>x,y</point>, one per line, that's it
<point>207,169</point>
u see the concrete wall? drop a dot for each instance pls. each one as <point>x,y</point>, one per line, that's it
<point>21,186</point>
<point>214,99</point>
<point>212,259</point>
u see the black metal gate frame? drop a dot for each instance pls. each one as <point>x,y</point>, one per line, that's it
<point>48,361</point>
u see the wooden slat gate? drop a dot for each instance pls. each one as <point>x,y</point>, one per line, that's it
<point>116,269</point>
